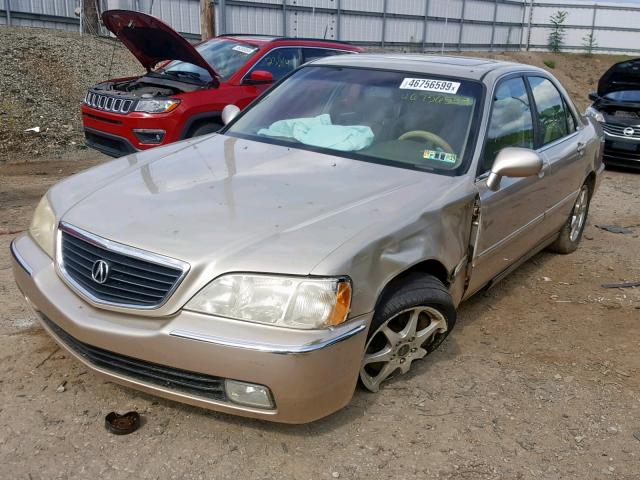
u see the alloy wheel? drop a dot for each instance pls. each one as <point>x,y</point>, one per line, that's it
<point>579,213</point>
<point>403,338</point>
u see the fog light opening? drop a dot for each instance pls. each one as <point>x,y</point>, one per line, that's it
<point>249,394</point>
<point>149,136</point>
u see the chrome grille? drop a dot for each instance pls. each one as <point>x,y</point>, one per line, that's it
<point>618,130</point>
<point>134,278</point>
<point>108,103</point>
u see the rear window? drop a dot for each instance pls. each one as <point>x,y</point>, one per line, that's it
<point>403,119</point>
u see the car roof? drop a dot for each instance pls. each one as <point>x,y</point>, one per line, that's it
<point>261,40</point>
<point>466,67</point>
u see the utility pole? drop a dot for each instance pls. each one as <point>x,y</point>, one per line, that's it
<point>89,19</point>
<point>207,20</point>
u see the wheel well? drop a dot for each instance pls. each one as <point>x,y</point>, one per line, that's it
<point>427,267</point>
<point>591,182</point>
<point>198,122</point>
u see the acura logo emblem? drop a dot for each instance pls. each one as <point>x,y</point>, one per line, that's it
<point>100,271</point>
<point>628,131</point>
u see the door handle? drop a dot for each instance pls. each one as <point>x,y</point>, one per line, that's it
<point>580,148</point>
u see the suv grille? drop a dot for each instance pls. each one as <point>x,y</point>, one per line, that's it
<point>618,130</point>
<point>109,276</point>
<point>167,377</point>
<point>108,103</point>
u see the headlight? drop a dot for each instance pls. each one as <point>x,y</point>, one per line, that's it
<point>157,106</point>
<point>295,302</point>
<point>595,114</point>
<point>43,226</point>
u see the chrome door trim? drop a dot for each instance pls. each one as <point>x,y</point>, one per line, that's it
<point>511,236</point>
<point>335,336</point>
<point>562,202</point>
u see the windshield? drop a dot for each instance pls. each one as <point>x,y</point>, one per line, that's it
<point>403,119</point>
<point>225,56</point>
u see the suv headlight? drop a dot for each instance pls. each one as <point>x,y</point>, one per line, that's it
<point>294,302</point>
<point>43,226</point>
<point>157,106</point>
<point>595,114</point>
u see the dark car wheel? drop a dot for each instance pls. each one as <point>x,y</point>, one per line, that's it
<point>571,232</point>
<point>205,129</point>
<point>408,324</point>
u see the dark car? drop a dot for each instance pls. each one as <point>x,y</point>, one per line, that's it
<point>616,105</point>
<point>185,87</point>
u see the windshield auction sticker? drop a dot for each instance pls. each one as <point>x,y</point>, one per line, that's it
<point>243,49</point>
<point>430,85</point>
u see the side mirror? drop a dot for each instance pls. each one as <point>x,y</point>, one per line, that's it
<point>259,77</point>
<point>593,96</point>
<point>514,162</point>
<point>229,113</point>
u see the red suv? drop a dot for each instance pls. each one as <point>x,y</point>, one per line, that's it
<point>185,95</point>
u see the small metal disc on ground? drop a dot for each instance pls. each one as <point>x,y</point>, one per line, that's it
<point>122,424</point>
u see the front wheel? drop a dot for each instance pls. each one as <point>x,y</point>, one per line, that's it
<point>205,129</point>
<point>571,232</point>
<point>408,324</point>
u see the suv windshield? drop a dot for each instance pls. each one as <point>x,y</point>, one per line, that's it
<point>225,56</point>
<point>404,119</point>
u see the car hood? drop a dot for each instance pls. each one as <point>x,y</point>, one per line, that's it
<point>228,204</point>
<point>151,40</point>
<point>620,77</point>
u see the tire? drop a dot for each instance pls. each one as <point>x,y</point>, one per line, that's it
<point>571,234</point>
<point>205,129</point>
<point>393,344</point>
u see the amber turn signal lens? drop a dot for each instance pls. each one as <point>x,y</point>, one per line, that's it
<point>343,303</point>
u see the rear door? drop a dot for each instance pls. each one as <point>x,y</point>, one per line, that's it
<point>561,144</point>
<point>511,218</point>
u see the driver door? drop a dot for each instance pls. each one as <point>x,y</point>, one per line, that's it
<point>511,218</point>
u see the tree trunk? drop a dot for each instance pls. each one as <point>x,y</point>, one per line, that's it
<point>207,19</point>
<point>90,22</point>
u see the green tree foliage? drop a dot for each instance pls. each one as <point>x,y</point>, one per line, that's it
<point>589,43</point>
<point>556,36</point>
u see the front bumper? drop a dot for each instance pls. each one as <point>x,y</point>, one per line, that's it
<point>113,133</point>
<point>621,151</point>
<point>311,374</point>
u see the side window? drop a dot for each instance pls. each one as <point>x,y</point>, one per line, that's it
<point>511,122</point>
<point>552,115</point>
<point>572,124</point>
<point>279,61</point>
<point>314,53</point>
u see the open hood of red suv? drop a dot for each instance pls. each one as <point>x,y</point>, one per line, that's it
<point>151,40</point>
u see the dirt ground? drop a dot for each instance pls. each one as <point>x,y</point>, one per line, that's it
<point>540,379</point>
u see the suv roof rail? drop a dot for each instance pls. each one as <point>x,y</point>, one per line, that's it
<point>275,38</point>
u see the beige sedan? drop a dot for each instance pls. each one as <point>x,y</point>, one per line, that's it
<point>326,235</point>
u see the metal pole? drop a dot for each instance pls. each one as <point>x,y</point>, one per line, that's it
<point>524,11</point>
<point>529,25</point>
<point>338,8</point>
<point>446,24</point>
<point>493,24</point>
<point>384,22</point>
<point>7,7</point>
<point>593,19</point>
<point>464,4</point>
<point>222,7</point>
<point>424,28</point>
<point>284,18</point>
